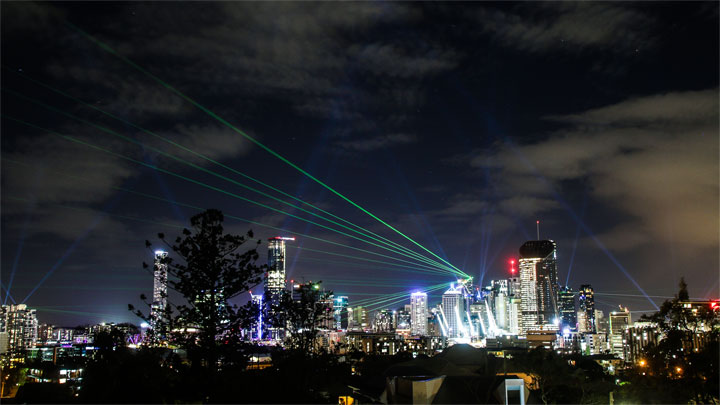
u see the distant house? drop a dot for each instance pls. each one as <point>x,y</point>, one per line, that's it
<point>461,374</point>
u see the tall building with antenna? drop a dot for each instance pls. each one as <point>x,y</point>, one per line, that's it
<point>160,292</point>
<point>276,279</point>
<point>538,285</point>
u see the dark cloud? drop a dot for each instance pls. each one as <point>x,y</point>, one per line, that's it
<point>377,142</point>
<point>651,158</point>
<point>570,26</point>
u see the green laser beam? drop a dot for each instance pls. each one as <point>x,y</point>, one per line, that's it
<point>90,145</point>
<point>404,268</point>
<point>402,293</point>
<point>253,140</point>
<point>423,269</point>
<point>183,161</point>
<point>204,157</point>
<point>227,215</point>
<point>180,227</point>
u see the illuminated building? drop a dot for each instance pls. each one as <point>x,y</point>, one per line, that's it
<point>453,311</point>
<point>568,314</point>
<point>538,285</point>
<point>619,321</point>
<point>403,320</point>
<point>256,330</point>
<point>514,316</point>
<point>275,281</point>
<point>582,322</point>
<point>340,313</point>
<point>418,314</point>
<point>160,294</point>
<point>383,321</point>
<point>21,326</point>
<point>587,307</point>
<point>303,289</point>
<point>357,319</point>
<point>637,337</point>
<point>594,343</point>
<point>601,322</point>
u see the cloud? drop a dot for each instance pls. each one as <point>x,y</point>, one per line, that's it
<point>652,160</point>
<point>377,142</point>
<point>677,108</point>
<point>539,27</point>
<point>212,141</point>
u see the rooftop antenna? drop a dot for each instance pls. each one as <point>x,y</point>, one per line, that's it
<point>537,224</point>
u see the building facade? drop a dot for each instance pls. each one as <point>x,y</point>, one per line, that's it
<point>538,285</point>
<point>276,280</point>
<point>418,314</point>
<point>568,313</point>
<point>586,304</point>
<point>160,291</point>
<point>19,329</point>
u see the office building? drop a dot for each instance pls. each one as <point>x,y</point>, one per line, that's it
<point>340,313</point>
<point>618,322</point>
<point>160,291</point>
<point>568,314</point>
<point>538,285</point>
<point>358,319</point>
<point>384,321</point>
<point>453,312</point>
<point>276,281</point>
<point>586,304</point>
<point>403,320</point>
<point>418,314</point>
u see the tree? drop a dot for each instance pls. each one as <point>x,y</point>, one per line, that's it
<point>303,316</point>
<point>208,269</point>
<point>683,366</point>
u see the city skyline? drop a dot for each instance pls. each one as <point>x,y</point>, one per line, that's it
<point>460,136</point>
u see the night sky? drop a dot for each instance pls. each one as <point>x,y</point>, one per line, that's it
<point>460,124</point>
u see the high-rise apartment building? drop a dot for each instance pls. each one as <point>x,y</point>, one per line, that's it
<point>538,285</point>
<point>418,314</point>
<point>19,325</point>
<point>586,304</point>
<point>160,291</point>
<point>568,314</point>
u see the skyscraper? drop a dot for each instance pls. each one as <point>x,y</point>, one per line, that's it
<point>453,311</point>
<point>275,282</point>
<point>160,277</point>
<point>419,314</point>
<point>538,284</point>
<point>566,304</point>
<point>340,313</point>
<point>619,322</point>
<point>586,303</point>
<point>358,318</point>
